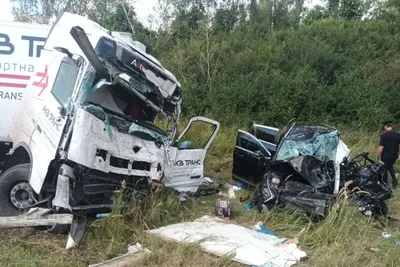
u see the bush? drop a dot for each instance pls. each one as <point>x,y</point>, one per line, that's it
<point>339,72</point>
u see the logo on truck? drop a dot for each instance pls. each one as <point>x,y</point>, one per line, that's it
<point>20,81</point>
<point>8,48</point>
<point>56,122</point>
<point>43,82</point>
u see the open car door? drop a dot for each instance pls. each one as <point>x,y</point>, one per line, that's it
<point>185,170</point>
<point>268,136</point>
<point>253,152</point>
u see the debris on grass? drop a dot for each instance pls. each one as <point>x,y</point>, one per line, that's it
<point>222,209</point>
<point>261,228</point>
<point>376,250</point>
<point>249,207</point>
<point>134,255</point>
<point>386,235</point>
<point>184,197</point>
<point>207,181</point>
<point>246,246</point>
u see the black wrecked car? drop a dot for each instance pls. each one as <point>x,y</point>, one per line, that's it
<point>306,169</point>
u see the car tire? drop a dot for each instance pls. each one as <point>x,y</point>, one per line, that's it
<point>14,187</point>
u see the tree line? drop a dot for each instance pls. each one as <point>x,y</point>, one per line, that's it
<point>269,61</point>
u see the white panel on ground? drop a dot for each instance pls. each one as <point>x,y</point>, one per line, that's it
<point>219,237</point>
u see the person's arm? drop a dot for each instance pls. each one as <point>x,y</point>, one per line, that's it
<point>398,143</point>
<point>379,152</point>
<point>380,148</point>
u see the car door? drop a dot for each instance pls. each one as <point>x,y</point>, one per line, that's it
<point>250,158</point>
<point>49,125</point>
<point>268,136</point>
<point>185,163</point>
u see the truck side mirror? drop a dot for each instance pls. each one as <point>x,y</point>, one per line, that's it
<point>63,50</point>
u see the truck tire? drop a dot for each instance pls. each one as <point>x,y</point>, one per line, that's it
<point>16,194</point>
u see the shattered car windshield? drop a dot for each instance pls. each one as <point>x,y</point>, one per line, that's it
<point>309,141</point>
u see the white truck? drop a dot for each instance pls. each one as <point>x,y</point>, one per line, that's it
<point>90,132</point>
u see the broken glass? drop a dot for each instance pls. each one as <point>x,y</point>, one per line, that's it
<point>309,143</point>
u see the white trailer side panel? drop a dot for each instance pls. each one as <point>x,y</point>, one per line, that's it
<point>21,45</point>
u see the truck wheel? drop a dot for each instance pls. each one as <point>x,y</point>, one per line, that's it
<point>16,194</point>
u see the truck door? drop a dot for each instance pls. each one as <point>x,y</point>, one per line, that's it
<point>52,117</point>
<point>186,167</point>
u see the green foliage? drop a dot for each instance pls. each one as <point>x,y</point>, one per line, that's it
<point>269,61</point>
<point>333,71</point>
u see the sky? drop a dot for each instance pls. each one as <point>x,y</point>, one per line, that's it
<point>143,8</point>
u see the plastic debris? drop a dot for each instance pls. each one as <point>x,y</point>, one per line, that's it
<point>231,190</point>
<point>242,185</point>
<point>386,235</point>
<point>249,207</point>
<point>231,187</point>
<point>231,194</point>
<point>260,227</point>
<point>218,237</point>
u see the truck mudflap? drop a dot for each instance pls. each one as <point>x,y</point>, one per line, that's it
<point>5,147</point>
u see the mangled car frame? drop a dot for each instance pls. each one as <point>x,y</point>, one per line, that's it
<point>305,170</point>
<point>91,132</point>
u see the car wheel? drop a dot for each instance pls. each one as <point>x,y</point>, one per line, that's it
<point>16,194</point>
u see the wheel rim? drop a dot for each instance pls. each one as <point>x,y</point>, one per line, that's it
<point>21,195</point>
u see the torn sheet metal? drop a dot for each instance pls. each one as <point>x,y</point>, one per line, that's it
<point>220,238</point>
<point>316,171</point>
<point>342,152</point>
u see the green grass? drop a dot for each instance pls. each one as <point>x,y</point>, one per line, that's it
<point>345,238</point>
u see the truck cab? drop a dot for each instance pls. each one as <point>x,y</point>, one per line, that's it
<point>91,132</point>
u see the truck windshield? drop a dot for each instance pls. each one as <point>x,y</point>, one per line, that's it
<point>119,100</point>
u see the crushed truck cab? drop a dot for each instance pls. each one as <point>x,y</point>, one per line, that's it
<point>91,133</point>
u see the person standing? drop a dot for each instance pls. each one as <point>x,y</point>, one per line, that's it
<point>388,150</point>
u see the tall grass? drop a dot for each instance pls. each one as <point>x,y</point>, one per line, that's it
<point>344,238</point>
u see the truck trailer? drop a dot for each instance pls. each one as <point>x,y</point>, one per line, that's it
<point>21,46</point>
